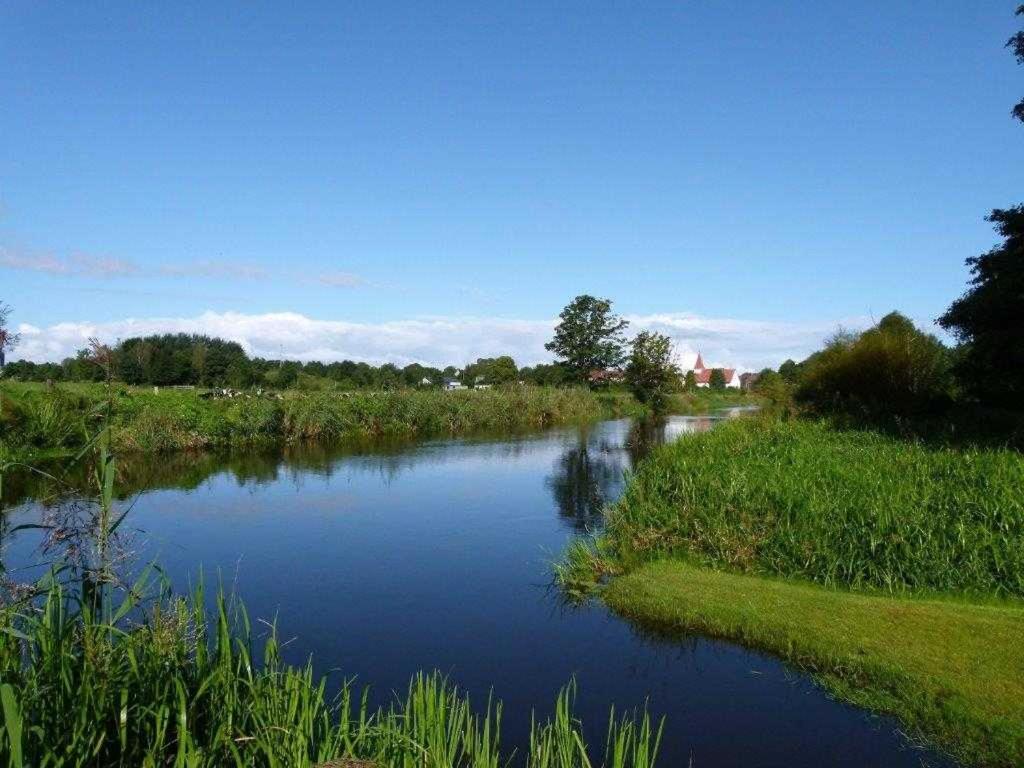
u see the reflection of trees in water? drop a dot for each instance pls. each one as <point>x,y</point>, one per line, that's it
<point>583,482</point>
<point>589,474</point>
<point>255,466</point>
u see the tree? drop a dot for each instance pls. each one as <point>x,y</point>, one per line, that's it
<point>789,371</point>
<point>890,370</point>
<point>8,338</point>
<point>690,381</point>
<point>588,337</point>
<point>651,375</point>
<point>1016,44</point>
<point>545,375</point>
<point>988,319</point>
<point>717,379</point>
<point>491,370</point>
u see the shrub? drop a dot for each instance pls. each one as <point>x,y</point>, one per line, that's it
<point>893,369</point>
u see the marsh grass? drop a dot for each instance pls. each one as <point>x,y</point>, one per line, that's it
<point>847,508</point>
<point>37,420</point>
<point>88,682</point>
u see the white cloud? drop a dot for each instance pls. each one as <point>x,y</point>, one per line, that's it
<point>747,345</point>
<point>744,344</point>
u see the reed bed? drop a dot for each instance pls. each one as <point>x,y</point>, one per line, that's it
<point>34,420</point>
<point>848,508</point>
<point>85,682</point>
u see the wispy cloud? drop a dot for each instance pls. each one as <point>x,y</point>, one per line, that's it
<point>85,265</point>
<point>78,264</point>
<point>744,344</point>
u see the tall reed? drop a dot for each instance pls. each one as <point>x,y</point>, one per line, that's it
<point>838,507</point>
<point>164,684</point>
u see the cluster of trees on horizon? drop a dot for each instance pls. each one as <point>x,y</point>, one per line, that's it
<point>199,360</point>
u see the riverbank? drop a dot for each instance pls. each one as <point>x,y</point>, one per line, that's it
<point>849,508</point>
<point>725,532</point>
<point>37,422</point>
<point>949,670</point>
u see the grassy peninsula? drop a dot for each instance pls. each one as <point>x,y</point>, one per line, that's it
<point>892,570</point>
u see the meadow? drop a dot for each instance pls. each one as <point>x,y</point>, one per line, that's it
<point>35,421</point>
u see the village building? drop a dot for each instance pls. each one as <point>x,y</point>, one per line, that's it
<point>605,377</point>
<point>702,374</point>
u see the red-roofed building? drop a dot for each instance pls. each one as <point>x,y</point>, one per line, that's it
<point>703,374</point>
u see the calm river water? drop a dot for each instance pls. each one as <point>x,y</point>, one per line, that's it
<point>437,555</point>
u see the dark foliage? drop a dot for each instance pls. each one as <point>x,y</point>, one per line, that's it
<point>650,375</point>
<point>1016,44</point>
<point>989,318</point>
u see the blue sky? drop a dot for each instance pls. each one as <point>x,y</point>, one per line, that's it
<point>775,166</point>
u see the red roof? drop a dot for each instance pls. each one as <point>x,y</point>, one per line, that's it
<point>703,375</point>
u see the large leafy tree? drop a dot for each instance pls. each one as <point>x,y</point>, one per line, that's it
<point>989,318</point>
<point>588,337</point>
<point>651,375</point>
<point>1016,44</point>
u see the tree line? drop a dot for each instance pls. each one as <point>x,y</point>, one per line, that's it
<point>199,360</point>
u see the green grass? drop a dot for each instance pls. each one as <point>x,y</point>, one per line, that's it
<point>83,685</point>
<point>836,507</point>
<point>725,534</point>
<point>36,422</point>
<point>706,400</point>
<point>951,671</point>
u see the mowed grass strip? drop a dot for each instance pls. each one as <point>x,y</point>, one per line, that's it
<point>952,671</point>
<point>836,507</point>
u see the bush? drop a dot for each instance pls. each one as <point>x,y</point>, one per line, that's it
<point>892,369</point>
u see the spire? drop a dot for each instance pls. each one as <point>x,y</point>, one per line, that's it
<point>699,365</point>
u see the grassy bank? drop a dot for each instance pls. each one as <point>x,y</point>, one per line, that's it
<point>83,686</point>
<point>836,507</point>
<point>35,421</point>
<point>948,670</point>
<point>725,533</point>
